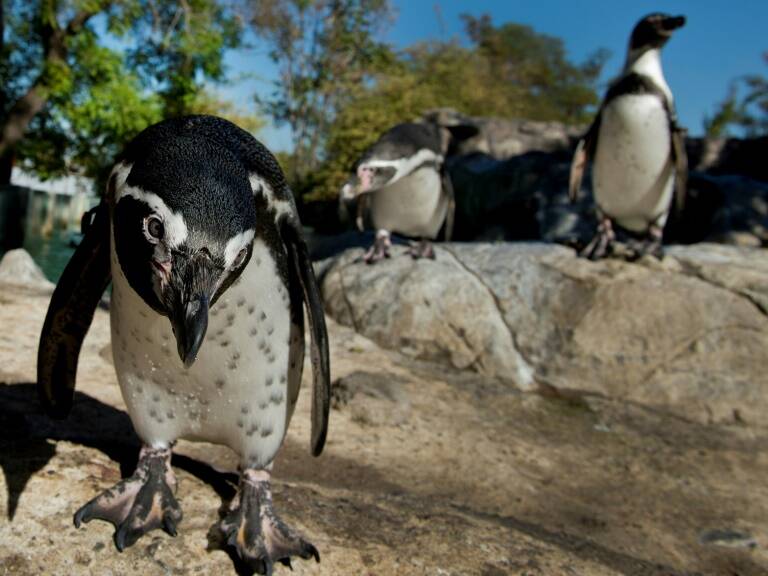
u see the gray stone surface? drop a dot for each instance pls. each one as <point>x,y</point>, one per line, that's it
<point>503,139</point>
<point>511,183</point>
<point>428,470</point>
<point>17,268</point>
<point>688,334</point>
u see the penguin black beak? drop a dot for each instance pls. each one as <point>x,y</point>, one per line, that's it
<point>673,23</point>
<point>189,325</point>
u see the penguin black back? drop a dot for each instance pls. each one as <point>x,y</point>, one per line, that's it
<point>405,140</point>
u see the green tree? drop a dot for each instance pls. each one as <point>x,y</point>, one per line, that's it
<point>534,73</point>
<point>80,77</point>
<point>508,71</point>
<point>324,49</point>
<point>745,107</point>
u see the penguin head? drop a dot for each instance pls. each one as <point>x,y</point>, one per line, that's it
<point>400,151</point>
<point>183,227</point>
<point>654,31</point>
<point>371,176</point>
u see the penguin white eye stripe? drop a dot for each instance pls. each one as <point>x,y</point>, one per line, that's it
<point>235,245</point>
<point>404,166</point>
<point>175,229</point>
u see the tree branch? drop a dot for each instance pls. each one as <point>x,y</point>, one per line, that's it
<point>78,21</point>
<point>33,101</point>
<point>20,115</point>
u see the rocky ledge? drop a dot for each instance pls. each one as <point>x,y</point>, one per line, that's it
<point>688,334</point>
<point>429,470</point>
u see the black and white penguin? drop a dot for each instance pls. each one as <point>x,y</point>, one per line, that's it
<point>636,146</point>
<point>199,235</point>
<point>401,185</point>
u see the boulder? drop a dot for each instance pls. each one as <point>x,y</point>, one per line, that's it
<point>511,183</point>
<point>688,334</point>
<point>426,471</point>
<point>18,269</point>
<point>526,198</point>
<point>502,139</point>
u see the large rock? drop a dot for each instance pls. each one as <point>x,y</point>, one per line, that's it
<point>427,471</point>
<point>504,139</point>
<point>520,198</point>
<point>526,198</point>
<point>511,183</point>
<point>689,334</point>
<point>17,268</point>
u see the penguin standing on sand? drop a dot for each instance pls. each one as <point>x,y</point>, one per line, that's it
<point>636,146</point>
<point>401,185</point>
<point>199,235</point>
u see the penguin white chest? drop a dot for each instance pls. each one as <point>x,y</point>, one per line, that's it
<point>633,171</point>
<point>415,205</point>
<point>243,386</point>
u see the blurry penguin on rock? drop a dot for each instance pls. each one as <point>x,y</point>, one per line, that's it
<point>199,234</point>
<point>401,184</point>
<point>636,147</point>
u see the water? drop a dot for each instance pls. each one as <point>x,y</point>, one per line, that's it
<point>45,225</point>
<point>52,253</point>
<point>48,227</point>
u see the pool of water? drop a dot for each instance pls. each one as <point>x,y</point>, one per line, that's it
<point>48,227</point>
<point>45,225</point>
<point>52,253</point>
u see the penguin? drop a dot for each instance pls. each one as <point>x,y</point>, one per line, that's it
<point>401,185</point>
<point>199,235</point>
<point>636,146</point>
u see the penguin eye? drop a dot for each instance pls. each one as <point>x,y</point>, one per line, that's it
<point>239,259</point>
<point>154,227</point>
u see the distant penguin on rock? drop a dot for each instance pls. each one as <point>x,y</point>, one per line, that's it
<point>401,184</point>
<point>199,235</point>
<point>636,147</point>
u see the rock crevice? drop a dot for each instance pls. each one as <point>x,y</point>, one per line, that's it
<point>681,333</point>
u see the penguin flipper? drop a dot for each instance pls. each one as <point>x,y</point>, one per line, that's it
<point>681,165</point>
<point>321,371</point>
<point>583,154</point>
<point>450,215</point>
<point>363,205</point>
<point>70,314</point>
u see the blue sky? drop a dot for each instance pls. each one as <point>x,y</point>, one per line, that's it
<point>721,41</point>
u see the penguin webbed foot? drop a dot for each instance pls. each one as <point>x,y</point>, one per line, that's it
<point>602,244</point>
<point>380,248</point>
<point>260,538</point>
<point>650,245</point>
<point>421,249</point>
<point>138,504</point>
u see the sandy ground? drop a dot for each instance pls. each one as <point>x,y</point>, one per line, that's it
<point>426,471</point>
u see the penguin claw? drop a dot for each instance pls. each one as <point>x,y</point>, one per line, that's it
<point>639,250</point>
<point>598,248</point>
<point>651,245</point>
<point>602,244</point>
<point>259,537</point>
<point>138,504</point>
<point>376,253</point>
<point>380,248</point>
<point>422,249</point>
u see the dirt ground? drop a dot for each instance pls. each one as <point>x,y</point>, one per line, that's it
<point>427,471</point>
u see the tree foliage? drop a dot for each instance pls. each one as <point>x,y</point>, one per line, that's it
<point>78,78</point>
<point>324,49</point>
<point>509,71</point>
<point>745,107</point>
